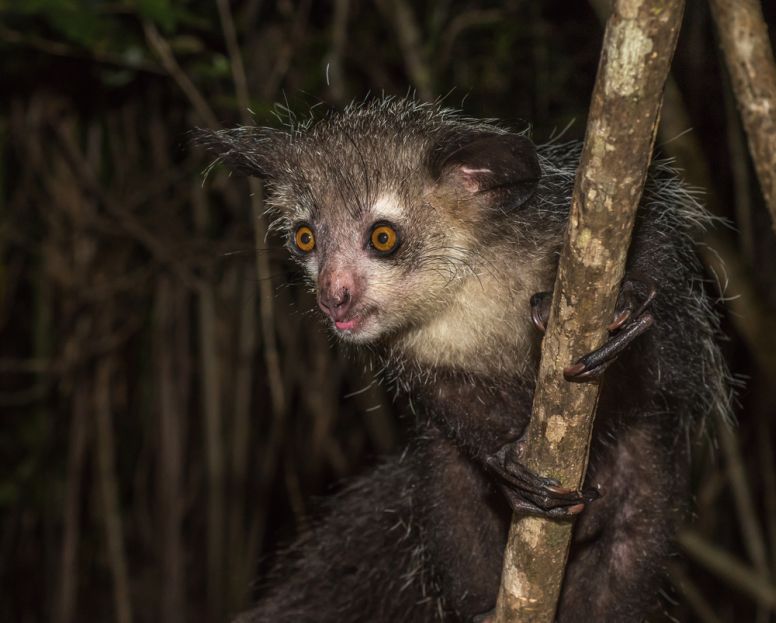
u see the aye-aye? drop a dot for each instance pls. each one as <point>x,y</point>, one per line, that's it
<point>432,239</point>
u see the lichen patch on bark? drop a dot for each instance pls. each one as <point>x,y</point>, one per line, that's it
<point>629,9</point>
<point>624,74</point>
<point>556,428</point>
<point>593,250</point>
<point>518,580</point>
<point>532,531</point>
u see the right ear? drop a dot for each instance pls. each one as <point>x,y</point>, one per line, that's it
<point>247,150</point>
<point>502,166</point>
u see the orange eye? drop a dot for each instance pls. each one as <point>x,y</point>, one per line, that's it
<point>304,238</point>
<point>384,238</point>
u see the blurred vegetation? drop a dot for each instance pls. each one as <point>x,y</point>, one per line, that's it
<point>168,409</point>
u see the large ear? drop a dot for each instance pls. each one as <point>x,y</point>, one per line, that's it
<point>484,163</point>
<point>246,150</point>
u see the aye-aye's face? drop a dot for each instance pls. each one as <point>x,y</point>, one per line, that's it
<point>386,206</point>
<point>385,263</point>
<point>388,246</point>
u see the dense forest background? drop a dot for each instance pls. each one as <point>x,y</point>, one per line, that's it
<point>169,408</point>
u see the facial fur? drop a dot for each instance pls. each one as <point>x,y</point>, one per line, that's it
<point>456,192</point>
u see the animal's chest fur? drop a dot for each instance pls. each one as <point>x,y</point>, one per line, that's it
<point>480,413</point>
<point>484,327</point>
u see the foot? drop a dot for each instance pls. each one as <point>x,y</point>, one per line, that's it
<point>631,319</point>
<point>530,493</point>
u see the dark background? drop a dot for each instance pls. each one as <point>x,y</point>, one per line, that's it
<point>167,415</point>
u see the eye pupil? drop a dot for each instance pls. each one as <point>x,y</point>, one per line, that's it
<point>304,239</point>
<point>384,238</point>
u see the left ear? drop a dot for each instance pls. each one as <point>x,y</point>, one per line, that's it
<point>246,150</point>
<point>503,163</point>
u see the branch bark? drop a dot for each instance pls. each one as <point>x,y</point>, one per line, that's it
<point>638,45</point>
<point>747,49</point>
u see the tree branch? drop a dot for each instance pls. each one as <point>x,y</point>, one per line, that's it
<point>638,45</point>
<point>747,49</point>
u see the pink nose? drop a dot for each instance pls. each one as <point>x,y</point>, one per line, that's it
<point>337,293</point>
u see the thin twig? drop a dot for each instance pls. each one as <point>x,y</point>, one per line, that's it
<point>68,570</point>
<point>210,374</point>
<point>170,454</point>
<point>87,177</point>
<point>241,557</point>
<point>465,20</point>
<point>411,44</point>
<point>109,489</point>
<point>693,596</point>
<point>57,48</point>
<point>335,76</point>
<point>730,569</point>
<point>739,169</point>
<point>747,514</point>
<point>287,50</point>
<point>159,44</point>
<point>267,308</point>
<point>768,471</point>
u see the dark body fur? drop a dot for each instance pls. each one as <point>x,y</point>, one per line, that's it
<point>421,537</point>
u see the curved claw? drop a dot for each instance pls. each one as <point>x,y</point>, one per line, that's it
<point>631,320</point>
<point>540,309</point>
<point>620,318</point>
<point>593,365</point>
<point>532,494</point>
<point>635,296</point>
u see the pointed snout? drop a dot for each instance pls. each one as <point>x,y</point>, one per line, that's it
<point>338,292</point>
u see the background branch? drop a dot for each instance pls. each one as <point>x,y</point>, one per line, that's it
<point>747,48</point>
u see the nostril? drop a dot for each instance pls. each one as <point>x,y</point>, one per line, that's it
<point>338,301</point>
<point>343,298</point>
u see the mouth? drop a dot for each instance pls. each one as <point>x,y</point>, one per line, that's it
<point>353,326</point>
